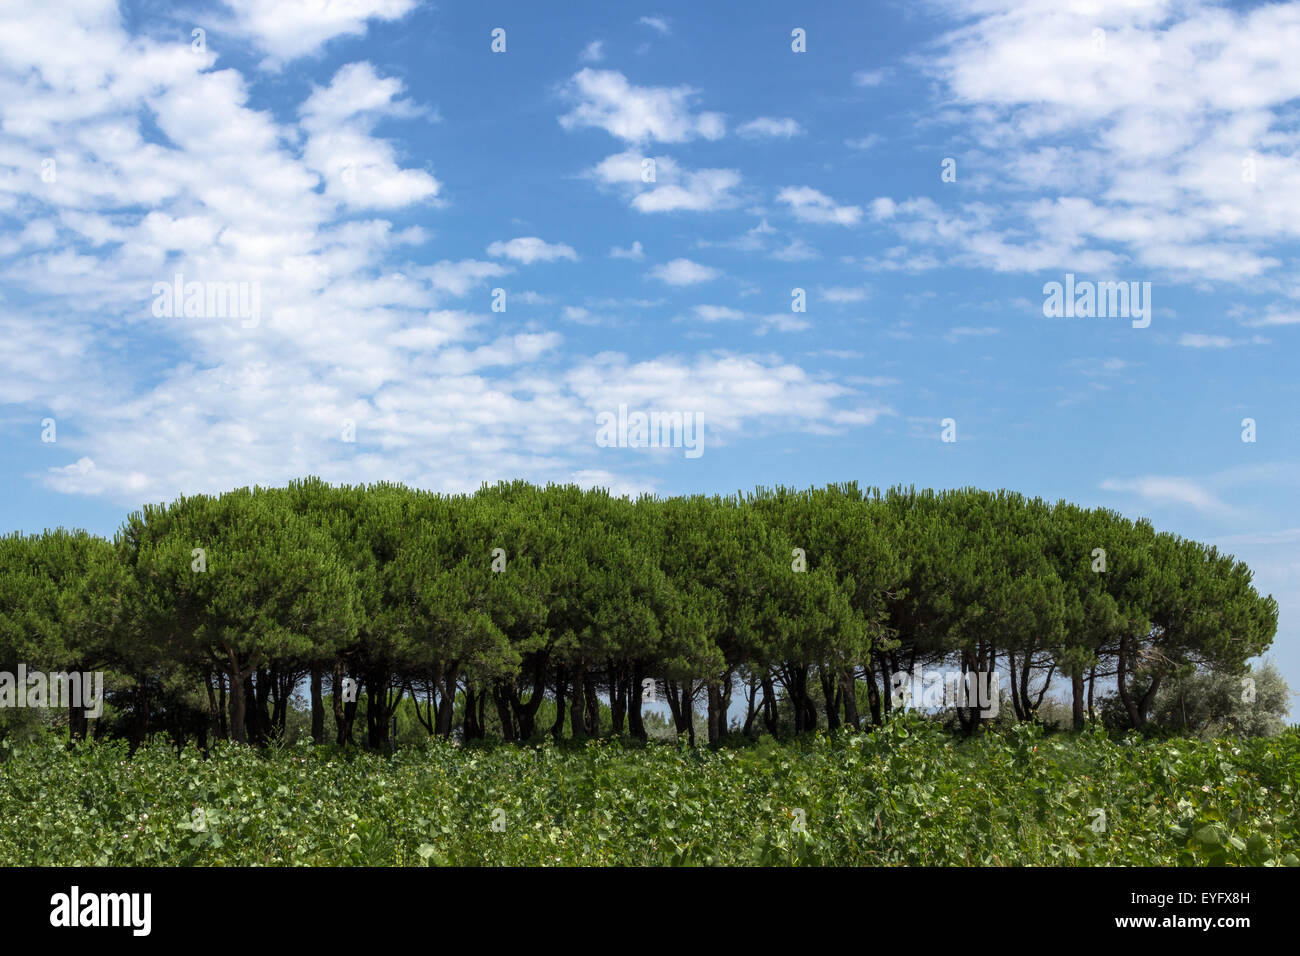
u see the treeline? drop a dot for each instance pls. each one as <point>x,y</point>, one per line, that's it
<point>209,612</point>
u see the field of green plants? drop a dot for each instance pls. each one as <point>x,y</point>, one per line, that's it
<point>905,794</point>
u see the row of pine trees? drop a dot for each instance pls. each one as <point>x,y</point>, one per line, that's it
<point>210,612</point>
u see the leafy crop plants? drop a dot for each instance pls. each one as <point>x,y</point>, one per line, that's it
<point>907,793</point>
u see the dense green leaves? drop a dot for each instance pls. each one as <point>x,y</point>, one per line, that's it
<point>213,610</point>
<point>905,794</point>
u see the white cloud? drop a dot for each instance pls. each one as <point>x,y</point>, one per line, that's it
<point>1196,340</point>
<point>530,249</point>
<point>593,52</point>
<point>870,77</point>
<point>457,278</point>
<point>734,393</point>
<point>1146,139</point>
<point>359,170</point>
<point>965,332</point>
<point>841,294</point>
<point>658,24</point>
<point>1162,490</point>
<point>528,297</point>
<point>288,29</point>
<point>168,165</point>
<point>796,251</point>
<point>356,89</point>
<point>1275,317</point>
<point>759,324</point>
<point>637,114</point>
<point>812,206</point>
<point>717,313</point>
<point>1049,236</point>
<point>863,142</point>
<point>1098,368</point>
<point>684,272</point>
<point>674,187</point>
<point>632,252</point>
<point>767,126</point>
<point>700,191</point>
<point>506,350</point>
<point>617,485</point>
<point>782,322</point>
<point>875,381</point>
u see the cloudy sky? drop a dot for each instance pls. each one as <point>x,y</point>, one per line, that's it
<point>454,258</point>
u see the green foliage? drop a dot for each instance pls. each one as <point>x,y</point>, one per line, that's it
<point>211,612</point>
<point>905,794</point>
<point>1212,704</point>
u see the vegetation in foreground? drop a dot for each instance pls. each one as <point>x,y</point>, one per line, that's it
<point>907,793</point>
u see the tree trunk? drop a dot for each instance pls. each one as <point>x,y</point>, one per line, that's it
<point>317,706</point>
<point>688,710</point>
<point>577,723</point>
<point>557,729</point>
<point>1015,686</point>
<point>831,694</point>
<point>680,698</point>
<point>447,706</point>
<point>715,715</point>
<point>376,732</point>
<point>1144,705</point>
<point>849,694</point>
<point>77,722</point>
<point>751,707</point>
<point>873,694</point>
<point>795,679</point>
<point>501,698</point>
<point>593,706</point>
<point>618,681</point>
<point>237,708</point>
<point>526,714</point>
<point>140,721</point>
<point>222,724</point>
<point>635,722</point>
<point>212,699</point>
<point>260,724</point>
<point>428,718</point>
<point>1076,688</point>
<point>886,695</point>
<point>345,712</point>
<point>471,729</point>
<point>1092,683</point>
<point>1121,679</point>
<point>770,717</point>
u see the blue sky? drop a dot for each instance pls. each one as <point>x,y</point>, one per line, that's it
<point>374,170</point>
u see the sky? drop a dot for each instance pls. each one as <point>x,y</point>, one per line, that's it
<point>443,244</point>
